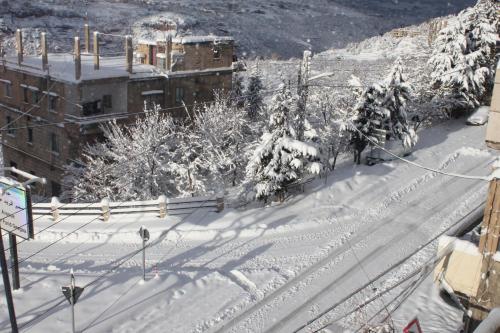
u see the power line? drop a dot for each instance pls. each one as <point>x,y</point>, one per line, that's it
<point>392,267</point>
<point>484,178</point>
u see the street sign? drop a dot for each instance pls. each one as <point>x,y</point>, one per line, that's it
<point>144,233</point>
<point>77,292</point>
<point>15,209</point>
<point>413,327</point>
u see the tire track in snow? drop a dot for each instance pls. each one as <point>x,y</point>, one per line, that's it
<point>299,280</point>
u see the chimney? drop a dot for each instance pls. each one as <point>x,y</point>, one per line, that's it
<point>129,53</point>
<point>169,52</point>
<point>96,50</point>
<point>19,46</point>
<point>86,33</point>
<point>45,59</point>
<point>78,59</point>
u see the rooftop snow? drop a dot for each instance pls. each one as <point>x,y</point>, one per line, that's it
<point>190,40</point>
<point>62,67</point>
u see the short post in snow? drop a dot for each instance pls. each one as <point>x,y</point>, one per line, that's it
<point>72,293</point>
<point>144,233</point>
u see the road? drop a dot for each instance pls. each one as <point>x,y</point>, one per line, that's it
<point>266,269</point>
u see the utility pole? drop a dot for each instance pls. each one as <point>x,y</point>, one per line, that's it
<point>14,261</point>
<point>303,91</point>
<point>486,296</point>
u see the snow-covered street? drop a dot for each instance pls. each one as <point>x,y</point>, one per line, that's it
<point>260,269</point>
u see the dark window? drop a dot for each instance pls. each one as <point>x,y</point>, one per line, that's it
<point>216,52</point>
<point>10,126</point>
<point>8,90</point>
<point>55,188</point>
<point>91,108</point>
<point>52,103</point>
<point>53,143</point>
<point>107,101</point>
<point>30,135</point>
<point>35,97</point>
<point>25,95</point>
<point>13,165</point>
<point>153,100</point>
<point>179,95</point>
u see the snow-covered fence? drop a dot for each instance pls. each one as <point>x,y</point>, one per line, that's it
<point>162,207</point>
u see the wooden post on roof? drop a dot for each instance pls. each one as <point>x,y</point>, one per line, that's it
<point>19,46</point>
<point>78,59</point>
<point>96,50</point>
<point>86,36</point>
<point>169,53</point>
<point>129,53</point>
<point>45,51</point>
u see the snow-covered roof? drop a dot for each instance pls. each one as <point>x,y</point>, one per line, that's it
<point>189,40</point>
<point>202,39</point>
<point>62,67</point>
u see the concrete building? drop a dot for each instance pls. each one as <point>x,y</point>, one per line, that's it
<point>52,105</point>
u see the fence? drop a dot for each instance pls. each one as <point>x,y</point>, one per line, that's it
<point>161,206</point>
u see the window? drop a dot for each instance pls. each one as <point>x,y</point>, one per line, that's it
<point>91,108</point>
<point>35,97</point>
<point>13,165</point>
<point>25,95</point>
<point>107,101</point>
<point>55,188</point>
<point>52,103</point>
<point>54,147</point>
<point>30,135</point>
<point>10,127</point>
<point>216,52</point>
<point>179,95</point>
<point>8,89</point>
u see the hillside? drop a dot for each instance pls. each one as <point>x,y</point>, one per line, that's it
<point>262,28</point>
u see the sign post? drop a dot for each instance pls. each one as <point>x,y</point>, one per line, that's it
<point>144,233</point>
<point>6,284</point>
<point>72,293</point>
<point>14,262</point>
<point>17,220</point>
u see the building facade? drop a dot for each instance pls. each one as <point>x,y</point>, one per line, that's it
<point>52,105</point>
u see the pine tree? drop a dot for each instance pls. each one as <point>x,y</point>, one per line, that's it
<point>397,94</point>
<point>254,101</point>
<point>371,117</point>
<point>463,57</point>
<point>280,158</point>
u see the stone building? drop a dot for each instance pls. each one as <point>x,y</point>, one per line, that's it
<point>52,105</point>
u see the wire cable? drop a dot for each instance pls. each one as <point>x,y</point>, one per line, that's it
<point>392,267</point>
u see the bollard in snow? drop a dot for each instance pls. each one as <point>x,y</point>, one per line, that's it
<point>105,209</point>
<point>162,203</point>
<point>54,207</point>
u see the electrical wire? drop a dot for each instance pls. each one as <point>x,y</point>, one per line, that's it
<point>391,268</point>
<point>484,178</point>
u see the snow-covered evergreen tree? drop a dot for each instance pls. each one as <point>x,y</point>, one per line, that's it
<point>371,117</point>
<point>397,94</point>
<point>253,94</point>
<point>280,158</point>
<point>463,56</point>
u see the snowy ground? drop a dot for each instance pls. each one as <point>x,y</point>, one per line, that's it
<point>282,28</point>
<point>263,269</point>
